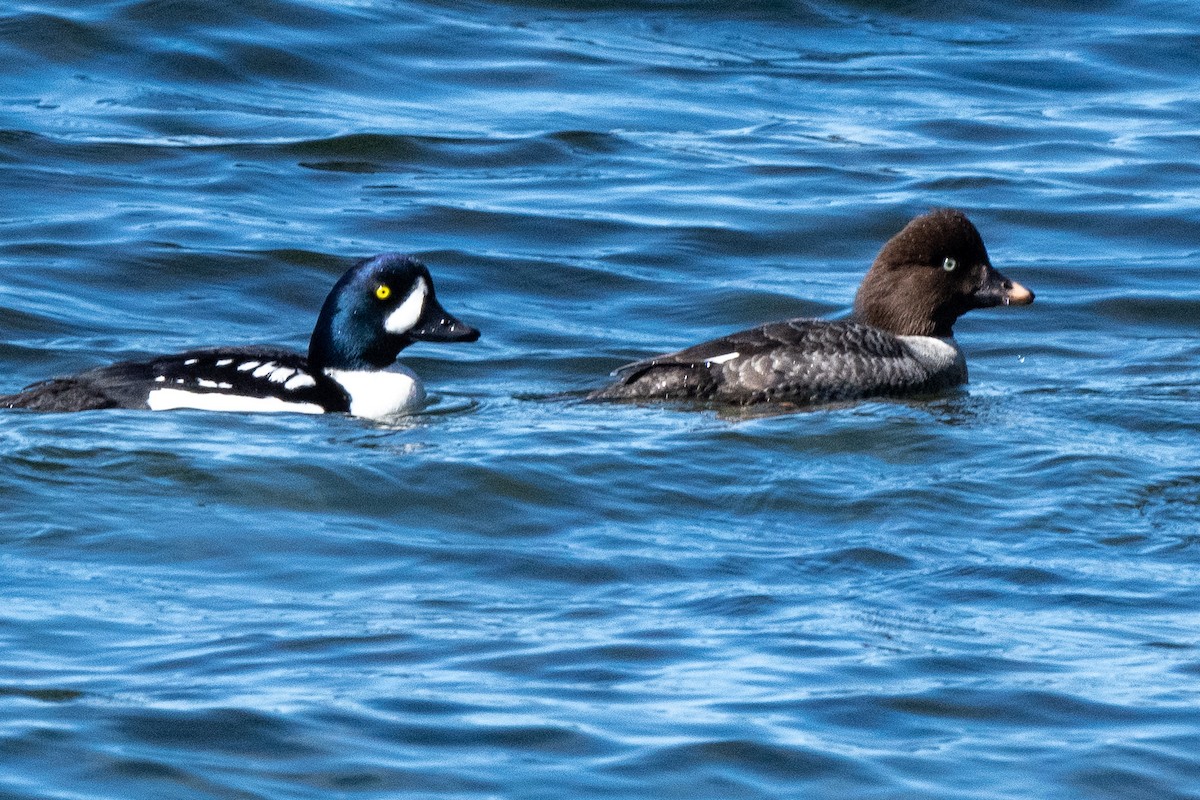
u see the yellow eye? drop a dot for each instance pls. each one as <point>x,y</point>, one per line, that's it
<point>383,291</point>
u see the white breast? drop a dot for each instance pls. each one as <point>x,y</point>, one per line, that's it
<point>379,394</point>
<point>936,355</point>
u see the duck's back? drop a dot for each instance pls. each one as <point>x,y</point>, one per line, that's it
<point>802,361</point>
<point>208,378</point>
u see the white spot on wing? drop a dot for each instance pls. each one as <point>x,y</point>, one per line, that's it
<point>160,379</point>
<point>224,362</point>
<point>405,316</point>
<point>721,359</point>
<point>166,399</point>
<point>207,384</point>
<point>299,382</point>
<point>264,369</point>
<point>281,374</point>
<point>249,365</point>
<point>190,361</point>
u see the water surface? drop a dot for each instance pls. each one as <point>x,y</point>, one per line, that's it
<point>991,594</point>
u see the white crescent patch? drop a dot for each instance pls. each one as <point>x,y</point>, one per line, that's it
<point>405,316</point>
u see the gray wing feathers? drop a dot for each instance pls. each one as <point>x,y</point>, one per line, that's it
<point>799,361</point>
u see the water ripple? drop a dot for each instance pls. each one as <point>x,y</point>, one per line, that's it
<point>988,594</point>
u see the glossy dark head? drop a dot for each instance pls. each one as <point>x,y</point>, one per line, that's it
<point>379,307</point>
<point>929,274</point>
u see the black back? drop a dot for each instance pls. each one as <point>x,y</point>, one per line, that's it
<point>128,384</point>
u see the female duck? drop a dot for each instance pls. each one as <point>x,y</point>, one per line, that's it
<point>899,342</point>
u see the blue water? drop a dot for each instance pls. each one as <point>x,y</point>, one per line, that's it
<point>993,594</point>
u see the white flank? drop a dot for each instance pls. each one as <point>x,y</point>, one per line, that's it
<point>933,353</point>
<point>167,399</point>
<point>723,358</point>
<point>299,382</point>
<point>264,369</point>
<point>224,362</point>
<point>281,374</point>
<point>380,394</point>
<point>249,365</point>
<point>407,313</point>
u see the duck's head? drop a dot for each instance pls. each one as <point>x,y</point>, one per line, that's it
<point>929,274</point>
<point>379,307</point>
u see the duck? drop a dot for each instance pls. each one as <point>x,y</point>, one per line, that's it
<point>377,308</point>
<point>898,342</point>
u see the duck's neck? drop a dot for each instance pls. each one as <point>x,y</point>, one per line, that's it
<point>901,310</point>
<point>334,348</point>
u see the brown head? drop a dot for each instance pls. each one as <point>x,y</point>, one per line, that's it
<point>930,274</point>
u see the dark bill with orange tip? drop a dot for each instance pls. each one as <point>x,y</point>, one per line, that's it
<point>998,290</point>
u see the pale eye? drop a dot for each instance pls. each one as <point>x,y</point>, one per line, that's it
<point>949,264</point>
